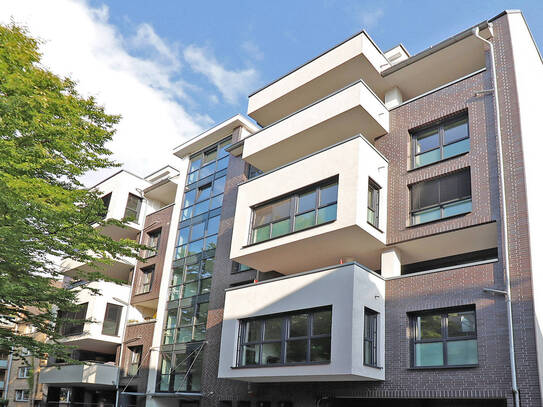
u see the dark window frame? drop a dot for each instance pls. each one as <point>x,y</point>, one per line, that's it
<point>105,330</point>
<point>151,242</point>
<point>441,205</point>
<point>134,360</point>
<point>440,127</point>
<point>371,336</point>
<point>22,395</point>
<point>106,201</point>
<point>374,195</point>
<point>285,321</point>
<point>73,328</point>
<point>293,198</point>
<point>145,287</point>
<point>445,339</point>
<point>133,217</point>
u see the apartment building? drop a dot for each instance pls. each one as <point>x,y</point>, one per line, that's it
<point>369,242</point>
<point>121,309</point>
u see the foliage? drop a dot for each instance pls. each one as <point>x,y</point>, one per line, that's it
<point>49,136</point>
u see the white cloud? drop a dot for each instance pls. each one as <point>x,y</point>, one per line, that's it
<point>253,50</point>
<point>370,19</point>
<point>231,84</point>
<point>81,42</point>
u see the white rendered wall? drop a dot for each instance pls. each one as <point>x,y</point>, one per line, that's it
<point>528,70</point>
<point>348,289</point>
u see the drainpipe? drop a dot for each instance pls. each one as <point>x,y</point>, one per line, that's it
<point>505,256</point>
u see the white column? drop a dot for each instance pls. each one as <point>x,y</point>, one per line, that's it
<point>391,264</point>
<point>393,97</point>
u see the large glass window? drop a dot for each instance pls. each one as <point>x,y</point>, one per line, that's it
<point>308,207</point>
<point>370,337</point>
<point>373,203</point>
<point>447,338</point>
<point>442,197</point>
<point>112,319</point>
<point>133,206</point>
<point>443,140</point>
<point>181,371</point>
<point>72,322</point>
<point>302,337</point>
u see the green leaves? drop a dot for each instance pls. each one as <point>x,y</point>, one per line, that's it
<point>49,136</point>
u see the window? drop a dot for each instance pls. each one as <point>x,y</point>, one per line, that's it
<point>192,323</point>
<point>440,198</point>
<point>22,395</point>
<point>445,338</point>
<point>183,373</point>
<point>239,268</point>
<point>146,280</point>
<point>312,206</point>
<point>71,322</point>
<point>64,394</point>
<point>106,199</point>
<point>23,372</point>
<point>370,337</point>
<point>112,319</point>
<point>252,171</point>
<point>443,140</point>
<point>212,160</point>
<point>200,235</point>
<point>133,206</point>
<point>153,240</point>
<point>135,360</point>
<point>373,203</point>
<point>457,260</point>
<point>299,338</point>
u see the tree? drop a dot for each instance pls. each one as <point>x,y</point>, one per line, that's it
<point>49,136</point>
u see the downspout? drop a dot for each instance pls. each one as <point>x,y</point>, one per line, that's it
<point>504,220</point>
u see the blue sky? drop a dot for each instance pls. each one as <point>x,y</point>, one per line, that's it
<point>275,36</point>
<point>173,68</point>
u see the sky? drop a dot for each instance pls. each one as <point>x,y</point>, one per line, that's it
<point>175,68</point>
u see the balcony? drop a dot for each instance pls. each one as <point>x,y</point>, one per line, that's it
<point>349,236</point>
<point>352,110</point>
<point>347,288</point>
<point>118,268</point>
<point>91,374</point>
<point>358,57</point>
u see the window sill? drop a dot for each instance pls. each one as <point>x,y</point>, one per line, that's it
<point>374,366</point>
<point>443,367</point>
<point>437,162</point>
<point>146,292</point>
<point>376,228</point>
<point>438,220</point>
<point>289,234</point>
<point>281,365</point>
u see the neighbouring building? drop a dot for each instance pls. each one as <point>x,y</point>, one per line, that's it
<point>372,241</point>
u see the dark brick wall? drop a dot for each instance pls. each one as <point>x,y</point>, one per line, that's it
<point>162,218</point>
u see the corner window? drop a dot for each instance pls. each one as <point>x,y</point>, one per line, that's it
<point>135,360</point>
<point>297,338</point>
<point>153,240</point>
<point>132,210</point>
<point>370,337</point>
<point>439,198</point>
<point>373,203</point>
<point>112,319</point>
<point>146,280</point>
<point>22,395</point>
<point>71,322</point>
<point>445,338</point>
<point>443,140</point>
<point>309,207</point>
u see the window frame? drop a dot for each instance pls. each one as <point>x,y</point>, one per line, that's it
<point>441,204</point>
<point>135,219</point>
<point>26,374</point>
<point>73,328</point>
<point>156,233</point>
<point>293,198</point>
<point>146,271</point>
<point>440,127</point>
<point>375,190</point>
<point>445,339</point>
<point>371,336</point>
<point>20,395</point>
<point>134,363</point>
<point>284,340</point>
<point>117,322</point>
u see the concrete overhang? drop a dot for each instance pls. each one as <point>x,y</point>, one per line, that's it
<point>118,268</point>
<point>94,375</point>
<point>357,57</point>
<point>214,135</point>
<point>351,110</point>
